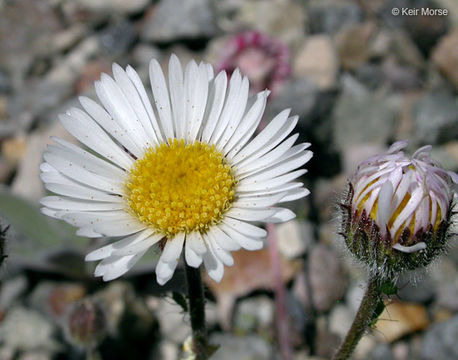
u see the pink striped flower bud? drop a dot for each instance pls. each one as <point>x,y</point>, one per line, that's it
<point>398,210</point>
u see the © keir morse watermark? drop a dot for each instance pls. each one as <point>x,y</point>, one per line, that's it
<point>424,11</point>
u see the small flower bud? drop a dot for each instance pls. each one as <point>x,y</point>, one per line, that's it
<point>398,210</point>
<point>86,323</point>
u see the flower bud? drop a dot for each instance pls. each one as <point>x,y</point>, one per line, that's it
<point>86,323</point>
<point>397,212</point>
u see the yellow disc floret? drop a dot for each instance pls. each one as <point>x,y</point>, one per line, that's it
<point>178,187</point>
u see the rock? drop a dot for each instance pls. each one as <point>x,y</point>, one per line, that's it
<point>445,56</point>
<point>317,60</point>
<point>13,149</point>
<point>445,276</point>
<point>300,95</point>
<point>173,322</point>
<point>340,320</point>
<point>352,45</point>
<point>355,295</point>
<point>382,352</point>
<point>326,344</point>
<point>5,82</point>
<point>12,289</point>
<point>332,15</point>
<point>117,38</point>
<point>253,314</point>
<point>120,7</point>
<point>435,117</point>
<point>440,341</point>
<point>27,182</point>
<point>143,53</point>
<point>362,117</point>
<point>249,347</point>
<point>399,319</point>
<point>166,350</point>
<point>175,19</point>
<point>405,50</point>
<point>26,330</point>
<point>354,154</point>
<point>283,19</point>
<point>294,237</point>
<point>413,289</point>
<point>85,82</point>
<point>327,279</point>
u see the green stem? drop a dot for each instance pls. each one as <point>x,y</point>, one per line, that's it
<point>197,311</point>
<point>369,310</point>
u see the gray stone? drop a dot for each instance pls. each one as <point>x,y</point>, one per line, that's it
<point>436,117</point>
<point>117,38</point>
<point>331,16</point>
<point>340,320</point>
<point>114,6</point>
<point>5,82</point>
<point>382,352</point>
<point>249,347</point>
<point>11,290</point>
<point>294,237</point>
<point>326,277</point>
<point>413,290</point>
<point>254,313</point>
<point>440,341</point>
<point>176,19</point>
<point>360,116</point>
<point>26,330</point>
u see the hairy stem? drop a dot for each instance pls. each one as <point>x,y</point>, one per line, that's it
<point>370,308</point>
<point>197,311</point>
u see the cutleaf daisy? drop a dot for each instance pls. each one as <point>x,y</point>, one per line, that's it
<point>183,171</point>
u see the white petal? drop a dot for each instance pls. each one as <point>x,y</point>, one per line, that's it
<point>67,204</point>
<point>244,241</point>
<point>173,248</point>
<point>177,95</point>
<point>213,265</point>
<point>80,174</point>
<point>161,98</point>
<point>398,145</point>
<point>81,192</point>
<point>140,246</point>
<point>197,102</point>
<point>245,228</point>
<point>410,249</point>
<point>216,101</point>
<point>91,135</point>
<point>411,206</point>
<point>281,215</point>
<point>120,110</point>
<point>134,99</point>
<point>107,250</point>
<point>232,138</point>
<point>223,240</point>
<point>259,201</point>
<point>384,206</point>
<point>192,258</point>
<point>274,190</point>
<point>195,241</point>
<point>120,134</point>
<point>121,266</point>
<point>133,76</point>
<point>249,185</point>
<point>295,194</point>
<point>218,251</point>
<point>230,106</point>
<point>250,214</point>
<point>260,144</point>
<point>86,232</point>
<point>164,271</point>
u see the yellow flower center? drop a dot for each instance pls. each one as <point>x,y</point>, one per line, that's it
<point>180,187</point>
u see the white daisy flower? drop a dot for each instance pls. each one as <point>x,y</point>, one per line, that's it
<point>182,171</point>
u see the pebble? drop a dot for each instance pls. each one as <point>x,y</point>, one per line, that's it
<point>254,313</point>
<point>439,342</point>
<point>417,287</point>
<point>176,19</point>
<point>119,7</point>
<point>12,289</point>
<point>249,347</point>
<point>327,279</point>
<point>294,237</point>
<point>117,38</point>
<point>317,60</point>
<point>362,117</point>
<point>435,117</point>
<point>445,56</point>
<point>352,45</point>
<point>382,352</point>
<point>399,319</point>
<point>24,330</point>
<point>332,15</point>
<point>283,19</point>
